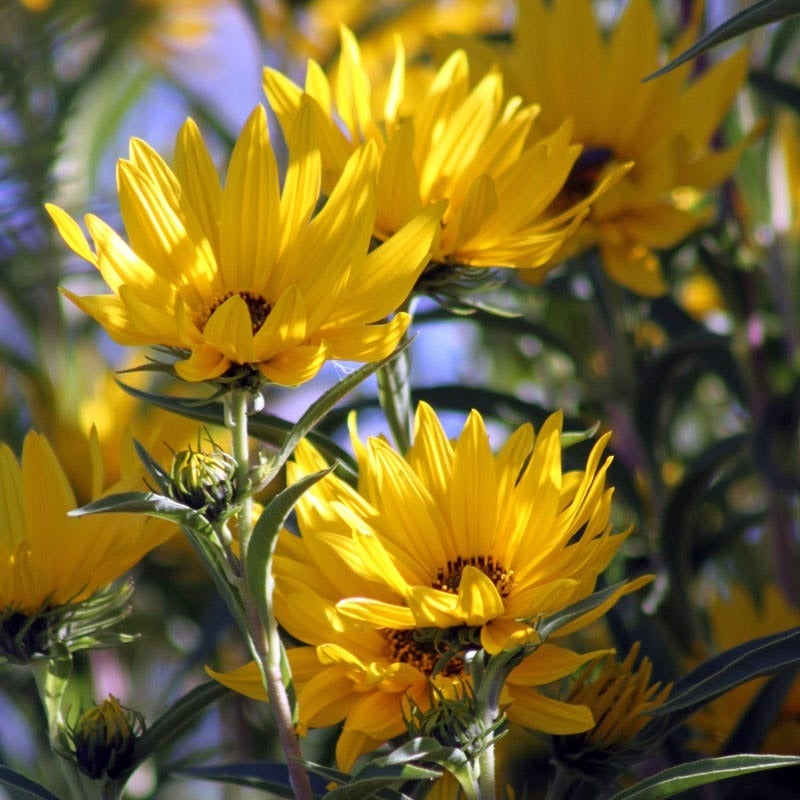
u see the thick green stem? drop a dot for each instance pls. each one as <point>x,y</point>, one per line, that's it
<point>51,681</point>
<point>262,634</point>
<point>486,780</point>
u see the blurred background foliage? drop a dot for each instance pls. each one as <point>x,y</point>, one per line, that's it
<point>700,386</point>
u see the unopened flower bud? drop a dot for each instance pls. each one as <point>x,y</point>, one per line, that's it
<point>104,739</point>
<point>205,482</point>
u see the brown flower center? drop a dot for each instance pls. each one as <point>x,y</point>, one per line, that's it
<point>258,307</point>
<point>583,176</point>
<point>405,648</point>
<point>448,579</point>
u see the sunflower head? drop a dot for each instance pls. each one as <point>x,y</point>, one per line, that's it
<point>204,481</point>
<point>46,600</point>
<point>619,695</point>
<point>564,59</point>
<point>245,283</point>
<point>464,143</point>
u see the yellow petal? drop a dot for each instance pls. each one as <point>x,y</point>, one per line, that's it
<point>377,614</point>
<point>250,214</point>
<point>540,713</point>
<point>230,330</point>
<point>478,598</point>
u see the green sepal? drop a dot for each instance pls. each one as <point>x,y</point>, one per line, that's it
<point>683,777</point>
<point>267,776</point>
<point>19,787</point>
<point>763,656</point>
<point>757,15</point>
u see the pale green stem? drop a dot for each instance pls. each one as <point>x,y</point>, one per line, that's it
<point>263,635</point>
<point>486,779</point>
<point>51,678</point>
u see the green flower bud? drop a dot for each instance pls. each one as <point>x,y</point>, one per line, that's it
<point>205,482</point>
<point>104,739</point>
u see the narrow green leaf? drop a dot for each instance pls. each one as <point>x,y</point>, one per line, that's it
<point>547,626</point>
<point>153,467</point>
<point>258,558</point>
<point>755,16</point>
<point>267,776</point>
<point>679,779</point>
<point>763,656</point>
<point>264,427</point>
<point>156,505</point>
<point>366,787</point>
<point>176,718</point>
<point>318,409</point>
<point>21,788</point>
<point>752,728</point>
<point>782,91</point>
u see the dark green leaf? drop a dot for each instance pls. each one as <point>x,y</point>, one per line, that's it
<point>678,779</point>
<point>21,788</point>
<point>762,656</point>
<point>176,718</point>
<point>264,427</point>
<point>547,626</point>
<point>371,780</point>
<point>782,91</point>
<point>755,16</point>
<point>267,776</point>
<point>755,723</point>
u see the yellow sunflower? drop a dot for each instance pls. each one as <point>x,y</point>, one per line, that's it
<point>734,620</point>
<point>244,278</point>
<point>450,541</point>
<point>369,678</point>
<point>463,144</point>
<point>48,559</point>
<point>563,59</point>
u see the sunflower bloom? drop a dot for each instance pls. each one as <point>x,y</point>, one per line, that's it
<point>563,59</point>
<point>453,535</point>
<point>246,280</point>
<point>468,146</point>
<point>47,558</point>
<point>371,678</point>
<point>447,542</point>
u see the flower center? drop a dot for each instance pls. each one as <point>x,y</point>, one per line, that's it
<point>258,307</point>
<point>404,647</point>
<point>448,579</point>
<point>583,176</point>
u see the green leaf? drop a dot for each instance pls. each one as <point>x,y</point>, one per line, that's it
<point>717,675</point>
<point>258,558</point>
<point>752,728</point>
<point>371,780</point>
<point>156,505</point>
<point>547,626</point>
<point>678,779</point>
<point>267,776</point>
<point>425,748</point>
<point>755,16</point>
<point>175,719</point>
<point>21,788</point>
<point>782,91</point>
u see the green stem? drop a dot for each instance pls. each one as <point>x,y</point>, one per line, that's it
<point>51,678</point>
<point>486,779</point>
<point>262,634</point>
